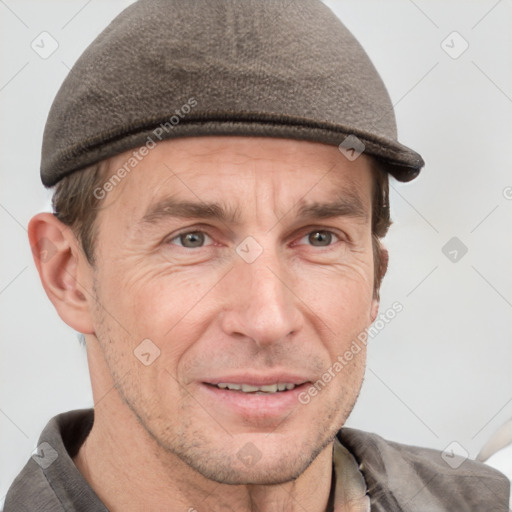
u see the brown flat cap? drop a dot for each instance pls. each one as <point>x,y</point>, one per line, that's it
<point>178,68</point>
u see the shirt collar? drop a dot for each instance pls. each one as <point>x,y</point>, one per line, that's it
<point>349,485</point>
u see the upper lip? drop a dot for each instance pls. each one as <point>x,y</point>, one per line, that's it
<point>259,380</point>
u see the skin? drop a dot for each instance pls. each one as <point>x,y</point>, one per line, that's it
<point>162,439</point>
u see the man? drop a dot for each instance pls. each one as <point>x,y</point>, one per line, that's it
<point>221,171</point>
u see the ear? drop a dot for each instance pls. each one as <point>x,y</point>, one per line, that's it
<point>65,273</point>
<point>383,267</point>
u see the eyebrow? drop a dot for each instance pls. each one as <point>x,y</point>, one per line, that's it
<point>348,205</point>
<point>170,208</point>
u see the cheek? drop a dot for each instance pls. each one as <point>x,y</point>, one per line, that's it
<point>164,304</point>
<point>144,331</point>
<point>341,295</point>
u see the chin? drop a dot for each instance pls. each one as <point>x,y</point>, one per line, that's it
<point>251,460</point>
<point>232,472</point>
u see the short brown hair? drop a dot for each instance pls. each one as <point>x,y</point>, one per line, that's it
<point>381,220</point>
<point>76,205</point>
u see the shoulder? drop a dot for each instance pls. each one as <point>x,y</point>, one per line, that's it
<point>31,491</point>
<point>402,477</point>
<point>50,479</point>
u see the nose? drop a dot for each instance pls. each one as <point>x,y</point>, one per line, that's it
<point>260,302</point>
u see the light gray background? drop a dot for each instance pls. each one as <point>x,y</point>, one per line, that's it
<point>441,370</point>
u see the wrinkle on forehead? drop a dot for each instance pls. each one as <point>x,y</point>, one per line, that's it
<point>274,183</point>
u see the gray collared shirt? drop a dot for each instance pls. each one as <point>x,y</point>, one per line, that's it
<point>370,474</point>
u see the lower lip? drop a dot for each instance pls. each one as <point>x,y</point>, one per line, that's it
<point>256,406</point>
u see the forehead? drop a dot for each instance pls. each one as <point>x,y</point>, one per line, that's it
<point>243,172</point>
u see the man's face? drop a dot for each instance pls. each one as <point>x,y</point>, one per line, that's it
<point>245,261</point>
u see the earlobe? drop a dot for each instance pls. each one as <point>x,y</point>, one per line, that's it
<point>375,310</point>
<point>384,261</point>
<point>60,264</point>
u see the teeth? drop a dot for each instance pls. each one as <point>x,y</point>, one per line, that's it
<point>269,388</point>
<point>247,388</point>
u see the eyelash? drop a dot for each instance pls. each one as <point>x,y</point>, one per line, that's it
<point>322,230</point>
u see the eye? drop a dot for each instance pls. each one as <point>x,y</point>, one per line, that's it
<point>321,238</point>
<point>190,239</point>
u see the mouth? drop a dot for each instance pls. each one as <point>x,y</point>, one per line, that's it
<point>256,390</point>
<point>262,401</point>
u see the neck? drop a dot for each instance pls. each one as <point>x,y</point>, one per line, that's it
<point>130,471</point>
